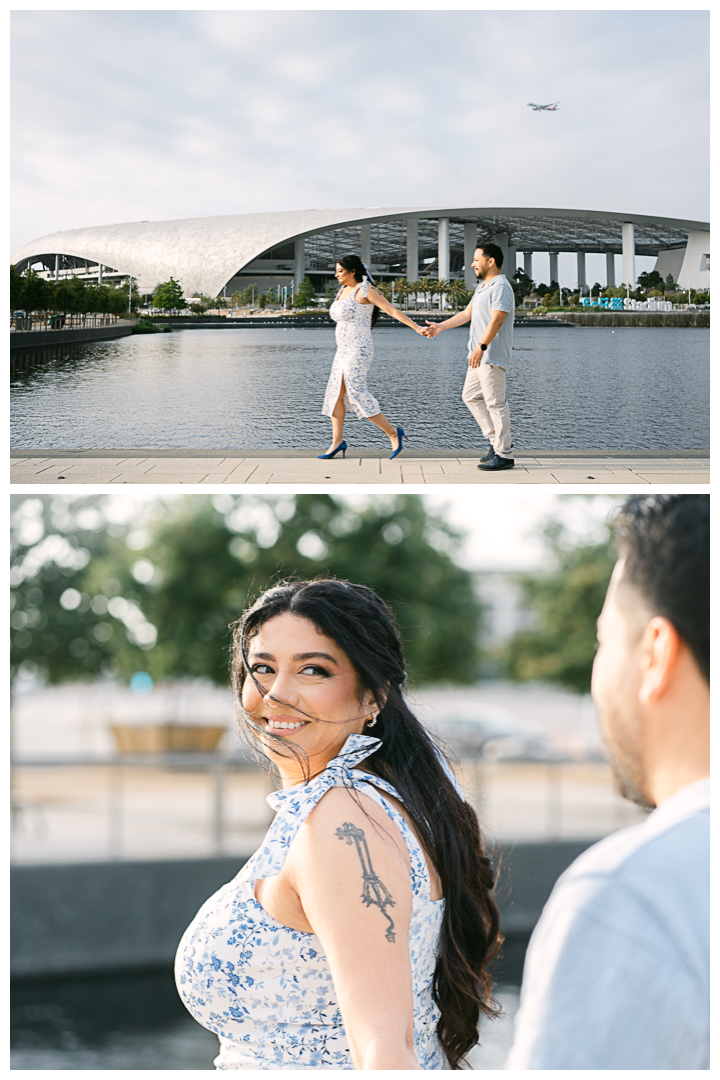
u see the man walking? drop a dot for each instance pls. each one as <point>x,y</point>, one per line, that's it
<point>490,313</point>
<point>617,974</point>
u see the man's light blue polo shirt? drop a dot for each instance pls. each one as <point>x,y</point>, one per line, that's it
<point>617,974</point>
<point>493,295</point>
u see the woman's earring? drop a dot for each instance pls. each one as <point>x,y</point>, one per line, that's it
<point>372,721</point>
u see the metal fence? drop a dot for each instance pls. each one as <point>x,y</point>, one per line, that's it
<point>49,321</point>
<point>208,804</point>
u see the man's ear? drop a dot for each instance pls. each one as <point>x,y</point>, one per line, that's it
<point>660,647</point>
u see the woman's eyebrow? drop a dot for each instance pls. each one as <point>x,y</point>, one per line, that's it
<point>310,655</point>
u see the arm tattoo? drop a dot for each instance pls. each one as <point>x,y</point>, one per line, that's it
<point>374,892</point>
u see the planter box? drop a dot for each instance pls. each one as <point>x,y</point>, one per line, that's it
<point>166,738</point>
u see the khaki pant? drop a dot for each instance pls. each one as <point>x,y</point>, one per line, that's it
<point>484,395</point>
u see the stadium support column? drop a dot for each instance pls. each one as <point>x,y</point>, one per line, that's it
<point>510,266</point>
<point>99,273</point>
<point>412,249</point>
<point>470,245</point>
<point>610,269</point>
<point>299,262</point>
<point>628,244</point>
<point>57,267</point>
<point>444,249</point>
<point>554,267</point>
<point>365,245</point>
<point>501,239</point>
<point>581,273</point>
<point>527,263</point>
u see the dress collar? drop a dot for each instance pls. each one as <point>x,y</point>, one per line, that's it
<point>354,750</point>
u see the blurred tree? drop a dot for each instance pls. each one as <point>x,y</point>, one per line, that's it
<point>565,604</point>
<point>35,292</point>
<point>93,596</point>
<point>169,295</point>
<point>650,279</point>
<point>58,628</point>
<point>522,285</point>
<point>17,288</point>
<point>305,294</point>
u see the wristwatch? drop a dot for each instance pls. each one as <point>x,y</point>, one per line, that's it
<point>484,348</point>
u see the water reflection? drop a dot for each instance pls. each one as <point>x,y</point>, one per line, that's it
<point>137,1021</point>
<point>569,388</point>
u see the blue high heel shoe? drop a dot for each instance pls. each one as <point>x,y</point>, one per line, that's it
<point>342,446</point>
<point>401,435</point>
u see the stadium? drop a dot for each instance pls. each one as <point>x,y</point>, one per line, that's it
<point>219,255</point>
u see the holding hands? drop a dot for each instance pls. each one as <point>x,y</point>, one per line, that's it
<point>430,330</point>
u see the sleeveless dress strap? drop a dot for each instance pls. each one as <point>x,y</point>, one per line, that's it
<point>293,805</point>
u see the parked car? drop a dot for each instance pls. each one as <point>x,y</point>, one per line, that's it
<point>491,733</point>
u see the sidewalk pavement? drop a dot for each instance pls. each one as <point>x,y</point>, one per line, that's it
<point>240,467</point>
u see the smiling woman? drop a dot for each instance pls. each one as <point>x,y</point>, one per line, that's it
<point>358,935</point>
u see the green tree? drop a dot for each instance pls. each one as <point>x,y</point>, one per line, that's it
<point>168,295</point>
<point>522,285</point>
<point>91,596</point>
<point>425,286</point>
<point>331,291</point>
<point>564,605</point>
<point>650,279</point>
<point>68,565</point>
<point>17,289</point>
<point>35,292</point>
<point>305,293</point>
<point>401,291</point>
<point>459,294</point>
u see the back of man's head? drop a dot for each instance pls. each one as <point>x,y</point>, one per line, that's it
<point>665,543</point>
<point>493,251</point>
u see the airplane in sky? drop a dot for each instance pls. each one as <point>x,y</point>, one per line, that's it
<point>543,108</point>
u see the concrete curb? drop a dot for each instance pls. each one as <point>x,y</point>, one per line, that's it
<point>372,452</point>
<point>40,339</point>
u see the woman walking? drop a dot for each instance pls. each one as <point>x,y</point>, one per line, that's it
<point>358,935</point>
<point>356,309</point>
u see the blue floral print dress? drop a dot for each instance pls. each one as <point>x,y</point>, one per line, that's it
<point>266,990</point>
<point>354,355</point>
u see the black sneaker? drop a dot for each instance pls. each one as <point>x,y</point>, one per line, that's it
<point>496,463</point>
<point>489,456</point>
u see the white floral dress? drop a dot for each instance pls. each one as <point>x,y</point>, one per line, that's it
<point>354,355</point>
<point>266,990</point>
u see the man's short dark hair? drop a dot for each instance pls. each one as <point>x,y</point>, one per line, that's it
<point>492,251</point>
<point>665,540</point>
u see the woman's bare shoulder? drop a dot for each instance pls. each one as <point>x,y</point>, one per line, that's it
<point>341,806</point>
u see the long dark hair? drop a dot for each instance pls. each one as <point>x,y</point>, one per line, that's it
<point>363,626</point>
<point>354,265</point>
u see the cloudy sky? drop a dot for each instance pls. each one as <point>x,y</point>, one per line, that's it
<point>134,115</point>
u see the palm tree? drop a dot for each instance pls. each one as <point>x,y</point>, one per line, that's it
<point>458,291</point>
<point>401,290</point>
<point>413,288</point>
<point>442,288</point>
<point>425,286</point>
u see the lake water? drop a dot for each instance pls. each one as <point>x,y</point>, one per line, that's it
<point>568,388</point>
<point>137,1021</point>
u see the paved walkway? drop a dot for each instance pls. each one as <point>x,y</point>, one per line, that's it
<point>241,467</point>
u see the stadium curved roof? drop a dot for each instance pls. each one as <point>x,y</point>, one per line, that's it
<point>205,253</point>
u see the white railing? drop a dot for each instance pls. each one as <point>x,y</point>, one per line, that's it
<point>194,805</point>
